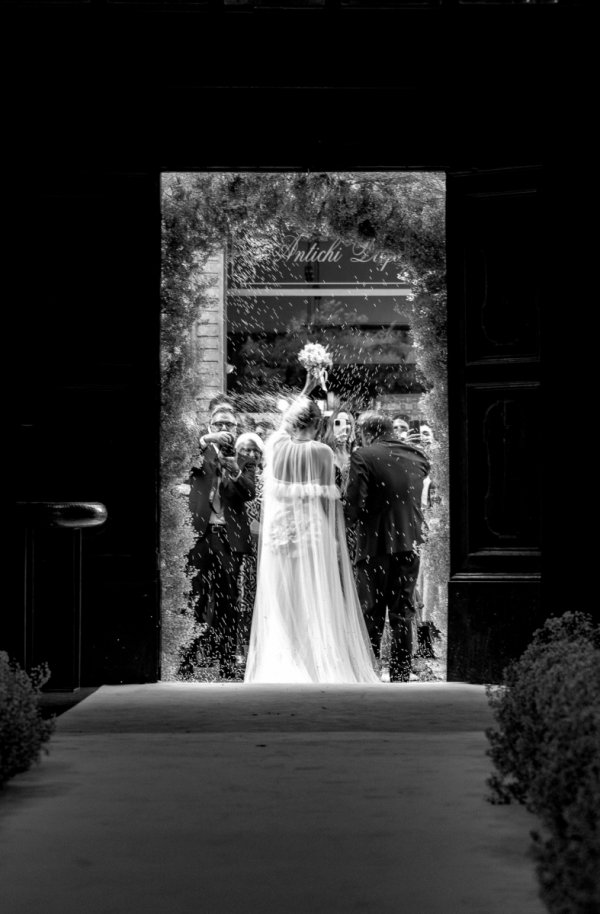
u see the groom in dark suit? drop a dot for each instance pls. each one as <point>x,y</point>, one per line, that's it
<point>383,498</point>
<point>219,489</point>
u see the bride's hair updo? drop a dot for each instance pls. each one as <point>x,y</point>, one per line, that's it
<point>304,414</point>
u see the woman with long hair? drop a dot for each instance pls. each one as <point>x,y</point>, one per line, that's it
<point>339,433</point>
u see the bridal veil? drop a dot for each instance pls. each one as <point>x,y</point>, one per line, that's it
<point>307,624</point>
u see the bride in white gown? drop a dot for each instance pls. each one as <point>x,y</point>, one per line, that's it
<point>307,624</point>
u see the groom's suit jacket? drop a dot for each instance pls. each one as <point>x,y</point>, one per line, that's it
<point>234,495</point>
<point>383,497</point>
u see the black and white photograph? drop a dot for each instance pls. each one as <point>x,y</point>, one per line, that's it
<point>300,341</point>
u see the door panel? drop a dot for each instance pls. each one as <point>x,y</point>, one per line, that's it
<point>494,292</point>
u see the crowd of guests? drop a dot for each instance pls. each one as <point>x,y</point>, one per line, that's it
<point>225,493</point>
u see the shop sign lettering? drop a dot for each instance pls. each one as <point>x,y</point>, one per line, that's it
<point>300,249</point>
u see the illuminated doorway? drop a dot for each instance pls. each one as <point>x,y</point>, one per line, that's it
<point>254,267</point>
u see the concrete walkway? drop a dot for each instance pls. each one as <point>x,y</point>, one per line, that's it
<point>218,798</point>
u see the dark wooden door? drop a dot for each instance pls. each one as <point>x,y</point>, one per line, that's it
<point>495,279</point>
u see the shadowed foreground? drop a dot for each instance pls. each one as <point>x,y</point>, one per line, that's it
<point>292,800</point>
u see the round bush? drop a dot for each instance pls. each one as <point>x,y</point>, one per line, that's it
<point>546,751</point>
<point>22,728</point>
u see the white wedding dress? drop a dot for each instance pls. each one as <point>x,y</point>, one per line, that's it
<point>307,624</point>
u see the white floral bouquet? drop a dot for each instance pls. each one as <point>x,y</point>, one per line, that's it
<point>316,359</point>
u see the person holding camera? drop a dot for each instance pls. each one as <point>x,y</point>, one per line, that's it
<point>220,487</point>
<point>340,435</point>
<point>401,426</point>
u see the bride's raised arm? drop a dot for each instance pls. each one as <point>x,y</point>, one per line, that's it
<point>298,404</point>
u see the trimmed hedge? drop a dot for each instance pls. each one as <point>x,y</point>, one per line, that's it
<point>547,754</point>
<point>23,731</point>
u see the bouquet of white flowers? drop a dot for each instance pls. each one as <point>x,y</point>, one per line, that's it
<point>313,355</point>
<point>316,359</point>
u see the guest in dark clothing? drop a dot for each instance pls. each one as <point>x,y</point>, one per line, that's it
<point>219,490</point>
<point>250,448</point>
<point>383,498</point>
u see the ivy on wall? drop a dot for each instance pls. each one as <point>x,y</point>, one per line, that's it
<point>396,214</point>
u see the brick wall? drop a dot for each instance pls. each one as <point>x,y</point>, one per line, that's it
<point>409,404</point>
<point>210,331</point>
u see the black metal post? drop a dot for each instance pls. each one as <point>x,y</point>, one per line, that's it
<point>50,629</point>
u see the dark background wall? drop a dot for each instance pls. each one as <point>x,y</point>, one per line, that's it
<point>88,390</point>
<point>103,96</point>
